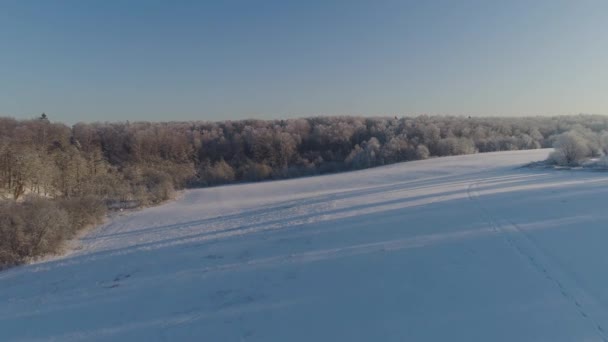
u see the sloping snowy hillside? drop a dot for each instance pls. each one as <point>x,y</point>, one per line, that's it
<point>467,248</point>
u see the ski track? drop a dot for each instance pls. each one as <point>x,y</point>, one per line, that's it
<point>467,248</point>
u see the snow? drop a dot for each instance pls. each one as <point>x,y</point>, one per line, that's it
<point>466,248</point>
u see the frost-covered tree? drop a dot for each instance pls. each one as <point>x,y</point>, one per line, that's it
<point>217,173</point>
<point>422,152</point>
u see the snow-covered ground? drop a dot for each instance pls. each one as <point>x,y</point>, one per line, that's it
<point>467,248</point>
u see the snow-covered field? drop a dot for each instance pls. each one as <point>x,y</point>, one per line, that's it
<point>467,248</point>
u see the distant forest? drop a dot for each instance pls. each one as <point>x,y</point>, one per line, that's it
<point>56,179</point>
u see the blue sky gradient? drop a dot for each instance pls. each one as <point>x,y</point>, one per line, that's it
<point>214,60</point>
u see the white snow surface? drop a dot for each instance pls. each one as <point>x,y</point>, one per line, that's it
<point>466,248</point>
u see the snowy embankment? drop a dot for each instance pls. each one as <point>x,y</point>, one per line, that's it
<point>467,248</point>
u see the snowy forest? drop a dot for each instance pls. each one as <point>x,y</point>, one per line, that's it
<point>56,180</point>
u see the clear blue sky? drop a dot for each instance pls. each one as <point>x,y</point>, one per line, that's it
<point>212,60</point>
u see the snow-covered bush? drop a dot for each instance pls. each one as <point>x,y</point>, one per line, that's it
<point>38,226</point>
<point>570,149</point>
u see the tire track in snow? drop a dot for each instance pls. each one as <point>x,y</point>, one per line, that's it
<point>529,250</point>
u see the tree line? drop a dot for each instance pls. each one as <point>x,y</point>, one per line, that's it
<point>49,165</point>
